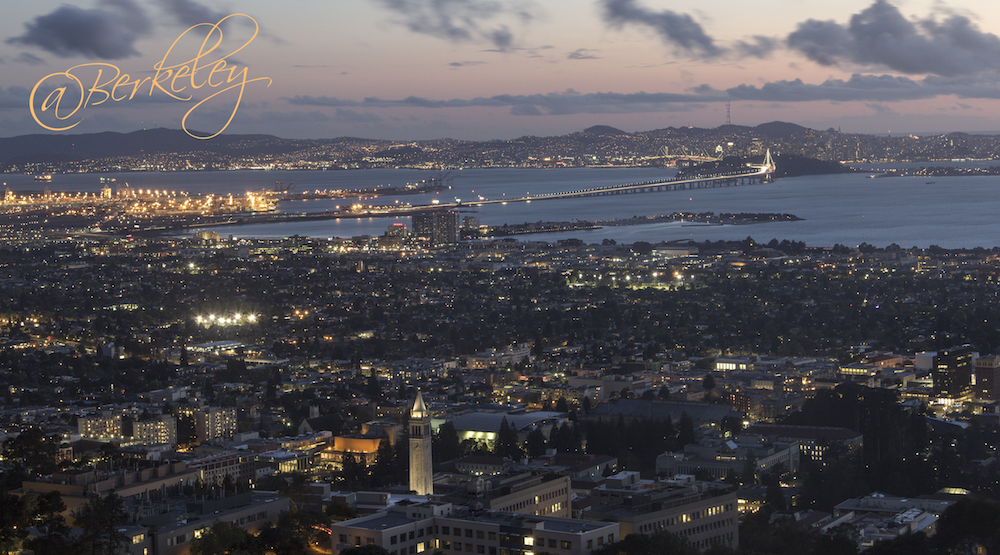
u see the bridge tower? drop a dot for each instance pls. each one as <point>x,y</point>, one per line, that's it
<point>768,161</point>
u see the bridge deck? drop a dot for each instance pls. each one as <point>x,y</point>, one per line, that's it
<point>753,174</point>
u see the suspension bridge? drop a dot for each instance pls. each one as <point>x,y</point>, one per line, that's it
<point>751,174</point>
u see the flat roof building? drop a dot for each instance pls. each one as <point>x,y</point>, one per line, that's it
<point>413,528</point>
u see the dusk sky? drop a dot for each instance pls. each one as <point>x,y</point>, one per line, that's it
<point>485,69</point>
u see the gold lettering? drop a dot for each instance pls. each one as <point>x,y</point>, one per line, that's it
<point>54,103</point>
<point>180,76</point>
<point>220,67</point>
<point>232,115</point>
<point>125,81</point>
<point>99,87</point>
<point>138,84</point>
<point>182,72</point>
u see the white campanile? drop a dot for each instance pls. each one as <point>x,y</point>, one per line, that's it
<point>421,472</point>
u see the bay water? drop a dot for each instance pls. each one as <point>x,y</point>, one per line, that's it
<point>952,212</point>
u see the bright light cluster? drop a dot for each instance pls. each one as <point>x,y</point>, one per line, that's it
<point>234,319</point>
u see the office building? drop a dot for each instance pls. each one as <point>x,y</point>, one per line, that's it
<point>439,227</point>
<point>988,378</point>
<point>952,374</point>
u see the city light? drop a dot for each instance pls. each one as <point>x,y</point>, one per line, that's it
<point>226,320</point>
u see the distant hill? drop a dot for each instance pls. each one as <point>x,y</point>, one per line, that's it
<point>780,130</point>
<point>55,148</point>
<point>604,130</point>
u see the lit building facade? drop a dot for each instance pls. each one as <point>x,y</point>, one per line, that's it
<point>211,422</point>
<point>988,378</point>
<point>407,529</point>
<point>705,514</point>
<point>952,374</point>
<point>162,429</point>
<point>439,227</point>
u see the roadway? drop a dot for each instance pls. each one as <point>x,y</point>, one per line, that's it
<point>753,173</point>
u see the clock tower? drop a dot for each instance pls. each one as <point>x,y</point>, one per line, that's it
<point>421,472</point>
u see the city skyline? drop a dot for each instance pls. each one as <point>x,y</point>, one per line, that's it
<point>477,69</point>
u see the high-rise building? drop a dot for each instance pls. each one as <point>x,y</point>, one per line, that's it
<point>162,429</point>
<point>988,378</point>
<point>104,424</point>
<point>440,226</point>
<point>208,422</point>
<point>952,373</point>
<point>421,471</point>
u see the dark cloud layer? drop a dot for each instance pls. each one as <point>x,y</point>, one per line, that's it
<point>859,88</point>
<point>14,98</point>
<point>460,20</point>
<point>188,12</point>
<point>881,36</point>
<point>582,54</point>
<point>678,30</point>
<point>865,88</point>
<point>757,47</point>
<point>107,32</point>
<point>564,103</point>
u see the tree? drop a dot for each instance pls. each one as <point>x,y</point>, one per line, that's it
<point>685,433</point>
<point>35,449</point>
<point>382,471</point>
<point>187,433</point>
<point>13,521</point>
<point>968,525</point>
<point>506,443</point>
<point>225,537</point>
<point>100,519</point>
<point>445,443</point>
<point>354,474</point>
<point>750,468</point>
<point>54,534</point>
<point>535,443</point>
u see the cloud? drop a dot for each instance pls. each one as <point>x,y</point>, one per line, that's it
<point>461,20</point>
<point>14,98</point>
<point>525,110</point>
<point>678,30</point>
<point>857,88</point>
<point>881,109</point>
<point>463,64</point>
<point>29,58</point>
<point>350,116</point>
<point>107,32</point>
<point>564,103</point>
<point>880,36</point>
<point>865,88</point>
<point>871,89</point>
<point>581,54</point>
<point>188,12</point>
<point>760,47</point>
